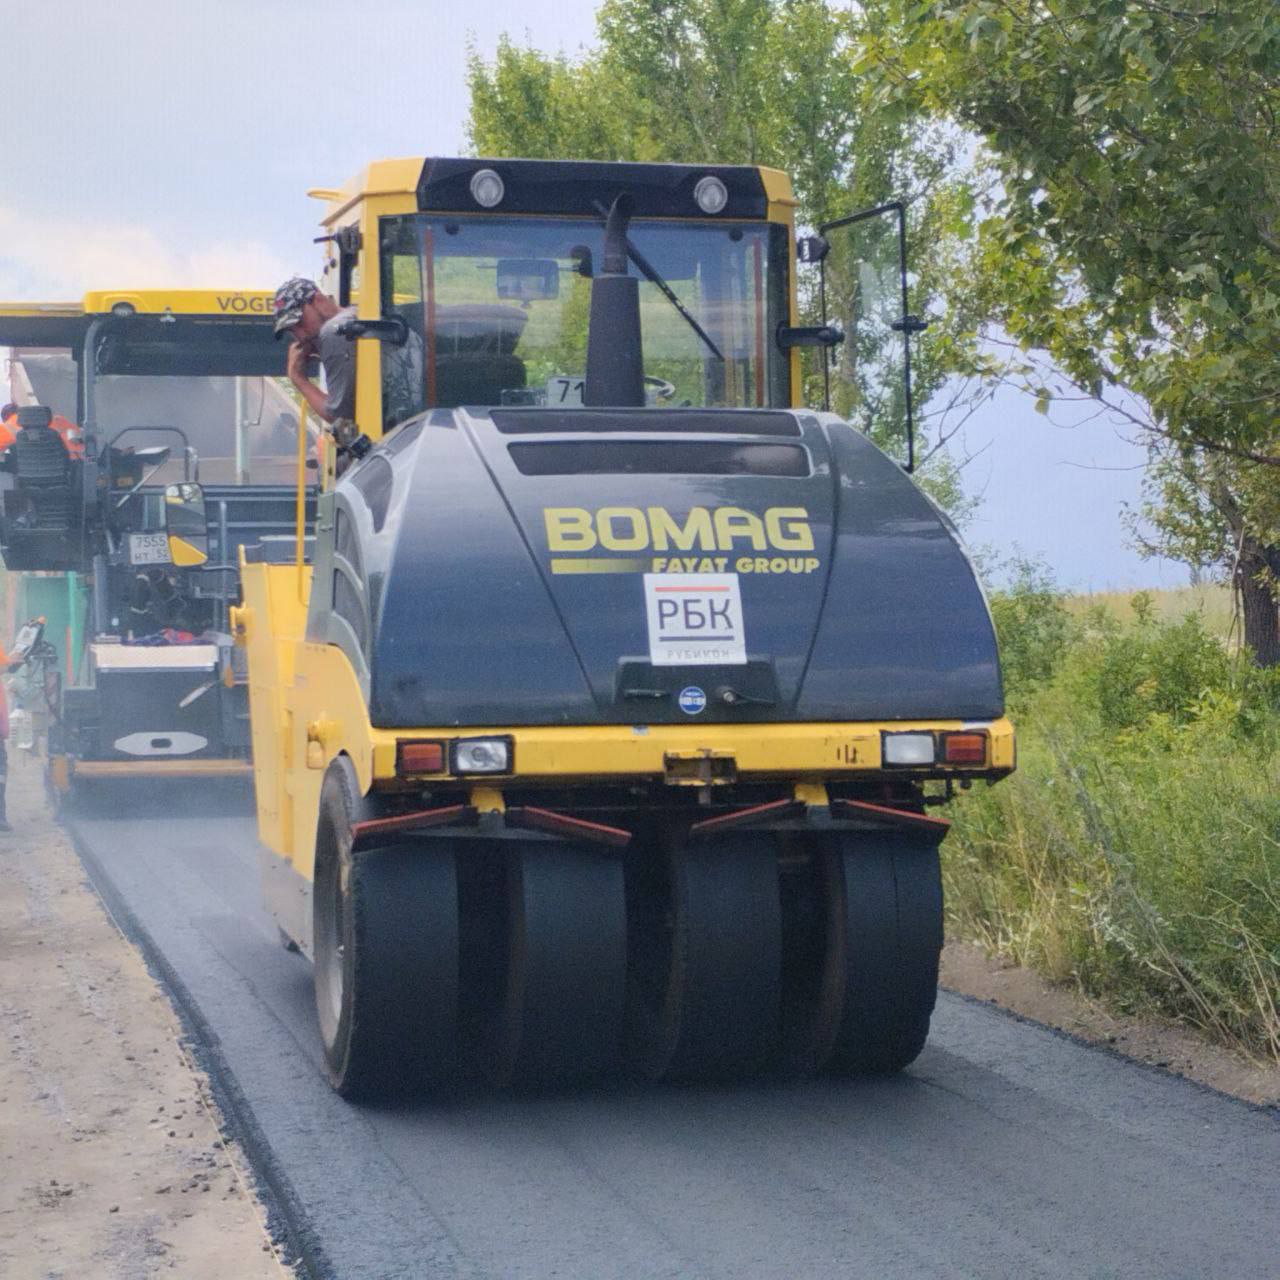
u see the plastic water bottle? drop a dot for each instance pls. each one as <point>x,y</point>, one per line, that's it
<point>22,730</point>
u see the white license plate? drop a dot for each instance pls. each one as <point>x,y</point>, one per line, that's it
<point>695,619</point>
<point>149,548</point>
<point>564,391</point>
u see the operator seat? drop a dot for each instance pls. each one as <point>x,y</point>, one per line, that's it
<point>43,466</point>
<point>40,528</point>
<point>475,347</point>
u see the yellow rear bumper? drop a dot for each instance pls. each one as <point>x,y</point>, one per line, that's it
<point>819,750</point>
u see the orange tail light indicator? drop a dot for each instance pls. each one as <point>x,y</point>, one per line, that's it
<point>964,748</point>
<point>419,757</point>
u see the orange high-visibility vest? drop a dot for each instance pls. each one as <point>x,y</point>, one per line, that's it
<point>68,431</point>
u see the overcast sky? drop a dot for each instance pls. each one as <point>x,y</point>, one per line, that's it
<point>152,142</point>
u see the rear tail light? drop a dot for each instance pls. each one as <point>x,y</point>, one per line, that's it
<point>419,757</point>
<point>964,748</point>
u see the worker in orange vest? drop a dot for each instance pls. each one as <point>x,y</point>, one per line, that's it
<point>4,738</point>
<point>8,425</point>
<point>72,440</point>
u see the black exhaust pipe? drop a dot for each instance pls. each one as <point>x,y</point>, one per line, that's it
<point>615,360</point>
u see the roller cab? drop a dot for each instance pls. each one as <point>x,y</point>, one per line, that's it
<point>610,724</point>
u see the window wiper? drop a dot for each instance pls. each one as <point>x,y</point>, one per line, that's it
<point>650,273</point>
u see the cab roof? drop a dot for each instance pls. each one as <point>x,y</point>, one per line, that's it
<point>63,324</point>
<point>565,187</point>
<point>181,302</point>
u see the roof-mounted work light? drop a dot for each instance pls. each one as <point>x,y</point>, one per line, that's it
<point>487,188</point>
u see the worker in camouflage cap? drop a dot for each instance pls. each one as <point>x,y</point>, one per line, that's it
<point>312,320</point>
<point>291,301</point>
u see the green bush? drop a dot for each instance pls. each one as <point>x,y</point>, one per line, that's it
<point>1157,668</point>
<point>1032,626</point>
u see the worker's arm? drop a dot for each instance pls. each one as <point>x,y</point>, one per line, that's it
<point>299,354</point>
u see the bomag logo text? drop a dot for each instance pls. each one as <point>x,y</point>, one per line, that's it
<point>688,543</point>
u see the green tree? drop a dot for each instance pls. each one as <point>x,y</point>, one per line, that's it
<point>1213,512</point>
<point>530,104</point>
<point>1131,229</point>
<point>768,82</point>
<point>1032,624</point>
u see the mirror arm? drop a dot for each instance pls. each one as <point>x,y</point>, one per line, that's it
<point>910,325</point>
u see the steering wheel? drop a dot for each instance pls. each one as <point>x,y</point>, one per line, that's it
<point>661,388</point>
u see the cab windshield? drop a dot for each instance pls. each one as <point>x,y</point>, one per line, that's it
<point>497,310</point>
<point>243,430</point>
<point>218,383</point>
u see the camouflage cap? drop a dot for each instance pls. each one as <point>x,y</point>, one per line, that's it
<point>291,297</point>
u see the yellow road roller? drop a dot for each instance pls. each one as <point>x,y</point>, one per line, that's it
<point>605,724</point>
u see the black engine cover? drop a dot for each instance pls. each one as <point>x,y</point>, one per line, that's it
<point>504,563</point>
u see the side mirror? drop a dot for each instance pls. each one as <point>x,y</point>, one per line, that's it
<point>186,524</point>
<point>814,335</point>
<point>812,249</point>
<point>528,279</point>
<point>392,329</point>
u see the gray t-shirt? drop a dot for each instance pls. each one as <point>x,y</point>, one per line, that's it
<point>338,355</point>
<point>404,380</point>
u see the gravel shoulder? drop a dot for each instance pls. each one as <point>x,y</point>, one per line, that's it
<point>968,970</point>
<point>112,1158</point>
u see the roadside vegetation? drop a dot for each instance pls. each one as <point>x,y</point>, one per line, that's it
<point>1136,851</point>
<point>1091,192</point>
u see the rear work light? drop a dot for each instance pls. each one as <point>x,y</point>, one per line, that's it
<point>964,748</point>
<point>481,755</point>
<point>419,757</point>
<point>907,748</point>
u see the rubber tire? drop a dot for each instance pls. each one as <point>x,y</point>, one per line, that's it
<point>813,963</point>
<point>390,1030</point>
<point>551,985</point>
<point>891,885</point>
<point>706,961</point>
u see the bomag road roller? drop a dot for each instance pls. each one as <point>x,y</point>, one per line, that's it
<point>604,728</point>
<point>137,415</point>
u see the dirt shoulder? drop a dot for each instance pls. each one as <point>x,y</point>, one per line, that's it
<point>111,1159</point>
<point>969,970</point>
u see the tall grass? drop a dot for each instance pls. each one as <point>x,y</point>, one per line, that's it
<point>1214,603</point>
<point>1136,852</point>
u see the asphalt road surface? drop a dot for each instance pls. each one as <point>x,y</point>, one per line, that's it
<point>1006,1150</point>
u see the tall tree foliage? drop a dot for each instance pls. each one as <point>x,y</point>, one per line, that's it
<point>1134,233</point>
<point>768,82</point>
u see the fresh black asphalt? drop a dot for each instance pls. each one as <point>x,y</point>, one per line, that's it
<point>1006,1150</point>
